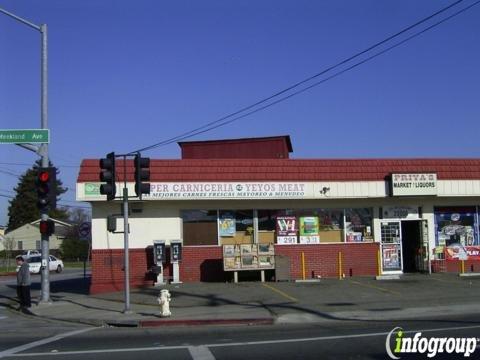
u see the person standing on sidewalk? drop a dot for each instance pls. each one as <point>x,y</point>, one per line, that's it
<point>23,283</point>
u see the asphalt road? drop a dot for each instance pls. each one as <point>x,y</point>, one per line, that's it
<point>27,337</point>
<point>332,340</point>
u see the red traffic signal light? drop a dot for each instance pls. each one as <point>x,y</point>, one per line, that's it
<point>44,176</point>
<point>46,183</point>
<point>47,227</point>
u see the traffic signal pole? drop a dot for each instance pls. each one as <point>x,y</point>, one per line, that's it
<point>109,188</point>
<point>126,258</point>
<point>45,286</point>
<point>126,310</point>
<point>43,149</point>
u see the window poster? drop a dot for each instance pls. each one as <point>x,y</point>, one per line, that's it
<point>309,230</point>
<point>456,225</point>
<point>286,228</point>
<point>391,257</point>
<point>227,225</point>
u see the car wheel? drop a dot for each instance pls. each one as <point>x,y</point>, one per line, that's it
<point>59,269</point>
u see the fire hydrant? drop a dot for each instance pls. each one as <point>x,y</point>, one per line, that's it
<point>164,300</point>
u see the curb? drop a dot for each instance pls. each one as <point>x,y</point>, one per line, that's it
<point>197,322</point>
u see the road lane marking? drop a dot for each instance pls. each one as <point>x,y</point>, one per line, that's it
<point>375,287</point>
<point>278,291</point>
<point>248,343</point>
<point>200,353</point>
<point>13,351</point>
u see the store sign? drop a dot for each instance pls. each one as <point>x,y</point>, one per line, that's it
<point>414,184</point>
<point>400,212</point>
<point>92,189</point>
<point>225,190</point>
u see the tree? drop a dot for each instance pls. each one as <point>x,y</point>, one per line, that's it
<point>8,244</point>
<point>74,248</point>
<point>23,207</point>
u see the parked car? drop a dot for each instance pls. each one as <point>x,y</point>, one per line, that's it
<point>35,263</point>
<point>29,253</point>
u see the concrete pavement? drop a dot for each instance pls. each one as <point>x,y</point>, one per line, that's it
<point>357,299</point>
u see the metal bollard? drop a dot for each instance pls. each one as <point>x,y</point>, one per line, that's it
<point>164,299</point>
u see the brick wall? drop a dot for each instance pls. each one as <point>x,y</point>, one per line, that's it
<point>322,259</point>
<point>108,274</point>
<point>204,263</point>
<point>454,266</point>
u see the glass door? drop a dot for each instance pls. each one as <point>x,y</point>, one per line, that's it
<point>391,246</point>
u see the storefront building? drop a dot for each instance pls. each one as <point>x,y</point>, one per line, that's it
<point>242,205</point>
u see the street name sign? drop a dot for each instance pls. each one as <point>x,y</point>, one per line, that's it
<point>25,136</point>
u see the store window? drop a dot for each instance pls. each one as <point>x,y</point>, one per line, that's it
<point>358,225</point>
<point>456,225</point>
<point>267,225</point>
<point>199,227</point>
<point>320,225</point>
<point>236,227</point>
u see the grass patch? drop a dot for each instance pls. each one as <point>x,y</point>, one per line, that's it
<point>75,264</point>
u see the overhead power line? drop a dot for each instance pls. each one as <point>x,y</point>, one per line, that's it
<point>323,80</point>
<point>223,120</point>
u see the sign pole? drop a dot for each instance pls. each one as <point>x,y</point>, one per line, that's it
<point>43,149</point>
<point>45,292</point>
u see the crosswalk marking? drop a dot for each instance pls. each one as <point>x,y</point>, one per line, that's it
<point>200,353</point>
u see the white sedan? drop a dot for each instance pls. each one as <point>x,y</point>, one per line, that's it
<point>35,263</point>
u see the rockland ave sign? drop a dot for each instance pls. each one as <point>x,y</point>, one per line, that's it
<point>25,136</point>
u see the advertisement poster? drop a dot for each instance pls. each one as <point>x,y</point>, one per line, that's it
<point>287,229</point>
<point>459,252</point>
<point>227,225</point>
<point>309,226</point>
<point>391,256</point>
<point>309,230</point>
<point>456,225</point>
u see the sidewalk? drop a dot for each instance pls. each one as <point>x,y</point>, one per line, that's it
<point>354,299</point>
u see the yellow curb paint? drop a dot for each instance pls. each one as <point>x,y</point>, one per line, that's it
<point>284,294</point>
<point>303,265</point>
<point>379,263</point>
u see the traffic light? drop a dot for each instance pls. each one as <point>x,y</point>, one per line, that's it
<point>108,176</point>
<point>46,184</point>
<point>142,173</point>
<point>47,227</point>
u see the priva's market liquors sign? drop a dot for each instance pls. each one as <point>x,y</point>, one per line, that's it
<point>224,190</point>
<point>414,184</point>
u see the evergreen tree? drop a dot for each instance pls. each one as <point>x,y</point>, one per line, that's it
<point>23,207</point>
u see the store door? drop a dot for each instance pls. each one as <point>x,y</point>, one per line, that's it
<point>415,246</point>
<point>391,246</point>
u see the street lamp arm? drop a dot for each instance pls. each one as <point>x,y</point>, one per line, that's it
<point>18,18</point>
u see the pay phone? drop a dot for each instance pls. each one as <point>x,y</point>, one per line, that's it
<point>159,257</point>
<point>175,257</point>
<point>175,251</point>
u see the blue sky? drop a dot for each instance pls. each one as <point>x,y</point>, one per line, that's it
<point>126,74</point>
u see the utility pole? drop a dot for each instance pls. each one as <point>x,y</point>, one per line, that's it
<point>42,150</point>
